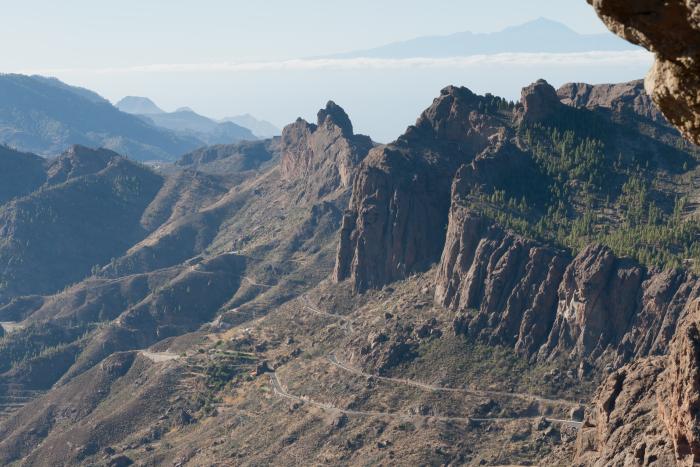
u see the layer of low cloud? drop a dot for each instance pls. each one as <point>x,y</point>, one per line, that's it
<point>622,58</point>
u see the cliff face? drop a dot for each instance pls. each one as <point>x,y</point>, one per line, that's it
<point>672,31</point>
<point>646,413</point>
<point>679,391</point>
<point>398,212</point>
<point>622,427</point>
<point>431,195</point>
<point>324,156</point>
<point>513,291</point>
<point>506,289</point>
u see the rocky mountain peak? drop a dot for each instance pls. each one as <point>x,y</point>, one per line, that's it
<point>539,101</point>
<point>138,105</point>
<point>335,114</point>
<point>401,199</point>
<point>450,117</point>
<point>324,156</point>
<point>79,160</point>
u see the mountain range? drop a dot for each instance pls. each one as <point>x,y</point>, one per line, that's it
<point>187,122</point>
<point>45,116</point>
<point>538,36</point>
<point>492,288</point>
<point>261,128</point>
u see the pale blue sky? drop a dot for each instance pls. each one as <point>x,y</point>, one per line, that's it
<point>138,47</point>
<point>97,33</point>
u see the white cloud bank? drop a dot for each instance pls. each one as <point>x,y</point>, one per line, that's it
<point>621,58</point>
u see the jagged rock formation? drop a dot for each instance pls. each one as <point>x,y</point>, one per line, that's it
<point>180,261</point>
<point>323,156</point>
<point>539,101</point>
<point>672,31</point>
<point>679,392</point>
<point>397,217</point>
<point>221,251</point>
<point>623,426</point>
<point>508,289</point>
<point>646,413</point>
<point>546,304</point>
<point>401,196</point>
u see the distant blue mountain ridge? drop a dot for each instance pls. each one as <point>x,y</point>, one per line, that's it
<point>540,35</point>
<point>46,116</point>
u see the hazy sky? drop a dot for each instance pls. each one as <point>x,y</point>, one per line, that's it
<point>113,47</point>
<point>97,33</point>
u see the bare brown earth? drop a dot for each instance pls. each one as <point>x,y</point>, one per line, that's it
<point>231,332</point>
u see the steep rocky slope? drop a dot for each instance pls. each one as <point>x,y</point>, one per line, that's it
<point>323,156</point>
<point>400,199</point>
<point>546,303</point>
<point>523,287</point>
<point>646,413</point>
<point>489,245</point>
<point>664,391</point>
<point>381,241</point>
<point>165,282</point>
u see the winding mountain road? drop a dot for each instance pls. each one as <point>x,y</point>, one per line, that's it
<point>428,387</point>
<point>279,390</point>
<point>345,321</point>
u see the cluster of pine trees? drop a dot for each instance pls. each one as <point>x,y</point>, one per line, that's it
<point>585,203</point>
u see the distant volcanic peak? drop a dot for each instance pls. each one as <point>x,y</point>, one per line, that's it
<point>336,115</point>
<point>138,105</point>
<point>539,100</point>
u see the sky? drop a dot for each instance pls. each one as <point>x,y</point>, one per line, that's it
<point>172,51</point>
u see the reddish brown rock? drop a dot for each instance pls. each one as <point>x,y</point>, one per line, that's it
<point>539,101</point>
<point>623,427</point>
<point>398,212</point>
<point>679,391</point>
<point>647,413</point>
<point>598,297</point>
<point>594,308</point>
<point>514,291</point>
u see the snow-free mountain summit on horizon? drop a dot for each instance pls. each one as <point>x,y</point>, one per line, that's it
<point>538,36</point>
<point>186,119</point>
